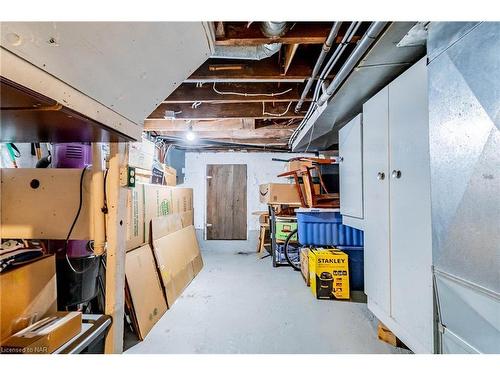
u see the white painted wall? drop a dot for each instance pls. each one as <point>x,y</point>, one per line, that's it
<point>260,170</point>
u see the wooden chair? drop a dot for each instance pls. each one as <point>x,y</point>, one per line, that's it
<point>309,197</point>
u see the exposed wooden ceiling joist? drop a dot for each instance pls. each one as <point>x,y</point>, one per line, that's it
<point>207,111</point>
<point>198,125</point>
<point>240,34</point>
<point>237,141</point>
<point>235,92</point>
<point>236,134</point>
<point>289,55</point>
<point>266,70</point>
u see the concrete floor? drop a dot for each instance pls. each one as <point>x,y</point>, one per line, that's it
<point>240,304</point>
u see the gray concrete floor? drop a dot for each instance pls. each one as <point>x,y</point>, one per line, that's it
<point>241,304</point>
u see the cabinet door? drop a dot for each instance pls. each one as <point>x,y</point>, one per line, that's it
<point>376,193</point>
<point>410,214</point>
<point>351,168</point>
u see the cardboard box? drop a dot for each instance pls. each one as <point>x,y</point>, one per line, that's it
<point>304,264</point>
<point>142,176</point>
<point>163,226</point>
<point>169,175</point>
<point>148,304</point>
<point>148,201</point>
<point>179,260</point>
<point>136,230</point>
<point>141,154</point>
<point>46,335</point>
<point>158,202</point>
<point>182,199</point>
<point>187,218</point>
<point>284,228</point>
<point>297,164</point>
<point>329,273</point>
<point>27,293</point>
<point>279,194</point>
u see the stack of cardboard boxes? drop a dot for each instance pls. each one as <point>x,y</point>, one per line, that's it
<point>147,169</point>
<point>147,201</point>
<point>163,255</point>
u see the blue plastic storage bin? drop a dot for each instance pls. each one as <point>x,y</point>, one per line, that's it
<point>326,229</point>
<point>355,258</point>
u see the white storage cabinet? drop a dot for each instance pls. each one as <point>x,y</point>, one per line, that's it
<point>397,222</point>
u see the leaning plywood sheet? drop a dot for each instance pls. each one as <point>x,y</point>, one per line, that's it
<point>42,203</point>
<point>179,261</point>
<point>129,67</point>
<point>148,302</point>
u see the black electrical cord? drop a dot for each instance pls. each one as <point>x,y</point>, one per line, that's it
<point>104,208</point>
<point>80,204</point>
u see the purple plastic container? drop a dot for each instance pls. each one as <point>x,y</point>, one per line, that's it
<point>71,155</point>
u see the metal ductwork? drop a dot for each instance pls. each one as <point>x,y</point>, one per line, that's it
<point>273,29</point>
<point>270,29</point>
<point>246,52</point>
<point>381,63</point>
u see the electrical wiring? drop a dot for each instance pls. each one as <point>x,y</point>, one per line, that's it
<point>80,204</point>
<point>275,114</point>
<point>272,94</point>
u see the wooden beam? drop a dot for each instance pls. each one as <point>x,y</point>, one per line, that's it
<point>97,197</point>
<point>238,34</point>
<point>284,125</point>
<point>258,141</point>
<point>266,70</point>
<point>198,125</point>
<point>290,50</point>
<point>234,92</point>
<point>115,256</point>
<point>237,134</point>
<point>208,111</point>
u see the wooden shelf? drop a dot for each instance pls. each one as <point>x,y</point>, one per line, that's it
<point>28,116</point>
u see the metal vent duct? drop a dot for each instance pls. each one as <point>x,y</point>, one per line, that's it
<point>246,52</point>
<point>270,29</point>
<point>383,62</point>
<point>273,29</point>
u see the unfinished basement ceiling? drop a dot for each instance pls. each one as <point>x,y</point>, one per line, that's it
<point>398,47</point>
<point>246,93</point>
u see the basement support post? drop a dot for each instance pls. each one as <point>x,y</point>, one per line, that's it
<point>115,259</point>
<point>97,196</point>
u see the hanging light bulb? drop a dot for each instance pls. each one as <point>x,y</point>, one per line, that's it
<point>190,134</point>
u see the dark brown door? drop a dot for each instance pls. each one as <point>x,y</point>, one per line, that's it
<point>226,202</point>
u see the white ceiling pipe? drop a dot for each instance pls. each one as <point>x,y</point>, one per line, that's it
<point>324,52</point>
<point>365,43</point>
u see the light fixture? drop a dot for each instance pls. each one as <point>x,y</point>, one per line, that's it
<point>190,134</point>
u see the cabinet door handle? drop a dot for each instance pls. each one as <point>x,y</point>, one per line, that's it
<point>380,175</point>
<point>396,173</point>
